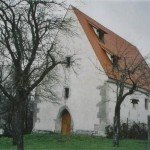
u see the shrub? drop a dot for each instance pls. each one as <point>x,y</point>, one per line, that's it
<point>132,131</point>
<point>138,131</point>
<point>109,131</point>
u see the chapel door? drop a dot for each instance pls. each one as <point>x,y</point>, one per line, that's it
<point>65,123</point>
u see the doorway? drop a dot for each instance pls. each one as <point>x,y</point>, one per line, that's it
<point>65,122</point>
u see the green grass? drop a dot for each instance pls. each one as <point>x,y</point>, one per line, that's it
<point>73,142</point>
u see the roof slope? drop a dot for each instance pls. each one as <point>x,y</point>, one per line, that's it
<point>113,45</point>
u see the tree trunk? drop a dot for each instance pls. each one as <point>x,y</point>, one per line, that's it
<point>18,122</point>
<point>19,127</point>
<point>14,138</point>
<point>116,126</point>
<point>13,125</point>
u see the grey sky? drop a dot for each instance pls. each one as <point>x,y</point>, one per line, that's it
<point>129,19</point>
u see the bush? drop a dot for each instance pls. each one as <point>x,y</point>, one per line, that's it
<point>138,131</point>
<point>109,131</point>
<point>132,131</point>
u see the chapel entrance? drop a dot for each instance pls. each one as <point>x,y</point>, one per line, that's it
<point>65,122</point>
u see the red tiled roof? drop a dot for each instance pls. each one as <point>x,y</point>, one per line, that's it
<point>114,45</point>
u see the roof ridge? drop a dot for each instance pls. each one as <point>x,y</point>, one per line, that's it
<point>99,24</point>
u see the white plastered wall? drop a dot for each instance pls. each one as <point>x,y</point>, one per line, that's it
<point>84,99</point>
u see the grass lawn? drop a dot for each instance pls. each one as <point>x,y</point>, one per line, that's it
<point>73,142</point>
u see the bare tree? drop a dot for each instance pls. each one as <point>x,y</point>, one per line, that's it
<point>130,73</point>
<point>27,44</point>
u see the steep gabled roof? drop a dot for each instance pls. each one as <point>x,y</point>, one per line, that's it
<point>113,45</point>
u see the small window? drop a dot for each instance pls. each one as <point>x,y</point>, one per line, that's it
<point>134,102</point>
<point>146,104</point>
<point>109,55</point>
<point>66,95</point>
<point>100,33</point>
<point>114,60</point>
<point>68,61</point>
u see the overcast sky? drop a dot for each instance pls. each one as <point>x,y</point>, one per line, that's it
<point>128,18</point>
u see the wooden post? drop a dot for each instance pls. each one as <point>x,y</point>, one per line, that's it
<point>148,132</point>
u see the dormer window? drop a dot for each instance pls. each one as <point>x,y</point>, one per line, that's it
<point>109,55</point>
<point>100,33</point>
<point>114,60</point>
<point>134,102</point>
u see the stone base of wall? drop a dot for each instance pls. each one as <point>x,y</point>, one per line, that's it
<point>42,131</point>
<point>85,132</point>
<point>77,132</point>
